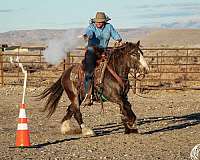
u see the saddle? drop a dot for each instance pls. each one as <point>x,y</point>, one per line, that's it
<point>78,76</point>
<point>98,76</point>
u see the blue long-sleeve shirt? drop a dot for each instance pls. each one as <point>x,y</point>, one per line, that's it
<point>100,36</point>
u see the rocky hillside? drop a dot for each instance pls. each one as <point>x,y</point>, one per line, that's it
<point>173,37</point>
<point>148,36</point>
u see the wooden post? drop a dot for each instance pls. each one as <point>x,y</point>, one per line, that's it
<point>69,58</point>
<point>40,66</point>
<point>157,62</point>
<point>18,70</point>
<point>72,59</point>
<point>1,67</point>
<point>185,79</point>
<point>134,83</point>
<point>158,70</point>
<point>64,65</point>
<point>187,63</point>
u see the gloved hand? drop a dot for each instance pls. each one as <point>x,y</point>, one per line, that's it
<point>118,43</point>
<point>85,37</point>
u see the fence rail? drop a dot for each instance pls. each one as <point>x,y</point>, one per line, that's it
<point>170,68</point>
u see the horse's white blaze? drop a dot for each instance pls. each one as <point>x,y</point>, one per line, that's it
<point>65,127</point>
<point>137,74</point>
<point>143,62</point>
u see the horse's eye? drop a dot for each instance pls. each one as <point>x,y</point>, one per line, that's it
<point>133,55</point>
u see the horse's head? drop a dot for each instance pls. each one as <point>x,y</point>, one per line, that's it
<point>135,59</point>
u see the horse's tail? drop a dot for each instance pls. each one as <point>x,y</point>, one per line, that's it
<point>54,94</point>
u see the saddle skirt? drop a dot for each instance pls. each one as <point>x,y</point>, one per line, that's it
<point>78,76</point>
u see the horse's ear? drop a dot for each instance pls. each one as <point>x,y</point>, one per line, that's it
<point>138,43</point>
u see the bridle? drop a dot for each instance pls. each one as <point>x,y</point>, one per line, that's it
<point>117,77</point>
<point>141,76</point>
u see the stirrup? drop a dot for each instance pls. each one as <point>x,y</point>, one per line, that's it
<point>87,100</point>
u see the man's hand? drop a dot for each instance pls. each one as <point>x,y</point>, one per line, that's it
<point>85,37</point>
<point>118,43</point>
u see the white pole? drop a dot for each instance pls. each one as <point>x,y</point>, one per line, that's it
<point>25,77</point>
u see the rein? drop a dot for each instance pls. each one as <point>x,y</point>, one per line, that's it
<point>134,74</point>
<point>113,72</point>
<point>120,79</point>
<point>117,77</point>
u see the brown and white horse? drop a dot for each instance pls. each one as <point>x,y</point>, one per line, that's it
<point>122,59</point>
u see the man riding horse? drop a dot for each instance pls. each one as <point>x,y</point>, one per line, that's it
<point>115,80</point>
<point>97,34</point>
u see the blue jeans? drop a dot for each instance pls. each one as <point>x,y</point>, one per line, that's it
<point>90,64</point>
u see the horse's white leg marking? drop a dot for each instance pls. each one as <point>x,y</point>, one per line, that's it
<point>65,127</point>
<point>86,131</point>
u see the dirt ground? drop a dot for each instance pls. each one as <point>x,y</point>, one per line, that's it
<point>168,123</point>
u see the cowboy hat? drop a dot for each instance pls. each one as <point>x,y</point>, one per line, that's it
<point>101,17</point>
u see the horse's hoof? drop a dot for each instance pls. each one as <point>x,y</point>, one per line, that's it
<point>65,127</point>
<point>131,130</point>
<point>87,132</point>
<point>68,128</point>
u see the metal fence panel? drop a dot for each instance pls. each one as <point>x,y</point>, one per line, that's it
<point>170,68</point>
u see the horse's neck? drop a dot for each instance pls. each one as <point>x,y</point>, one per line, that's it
<point>119,65</point>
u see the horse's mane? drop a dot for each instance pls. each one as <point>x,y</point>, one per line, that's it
<point>117,53</point>
<point>119,50</point>
<point>123,49</point>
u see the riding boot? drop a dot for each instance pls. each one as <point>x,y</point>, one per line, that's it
<point>90,63</point>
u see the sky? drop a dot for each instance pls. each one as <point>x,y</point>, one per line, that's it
<point>64,14</point>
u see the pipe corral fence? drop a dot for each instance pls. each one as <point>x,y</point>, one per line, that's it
<point>170,68</point>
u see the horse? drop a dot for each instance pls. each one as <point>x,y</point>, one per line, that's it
<point>115,87</point>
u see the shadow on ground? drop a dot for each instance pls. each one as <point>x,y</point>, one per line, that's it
<point>41,145</point>
<point>175,123</point>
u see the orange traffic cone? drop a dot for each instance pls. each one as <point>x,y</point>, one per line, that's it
<point>22,134</point>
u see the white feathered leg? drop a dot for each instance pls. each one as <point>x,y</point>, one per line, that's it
<point>65,127</point>
<point>86,131</point>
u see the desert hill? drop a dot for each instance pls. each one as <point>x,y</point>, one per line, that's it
<point>150,37</point>
<point>173,37</point>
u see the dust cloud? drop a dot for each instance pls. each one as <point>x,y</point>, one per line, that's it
<point>58,48</point>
